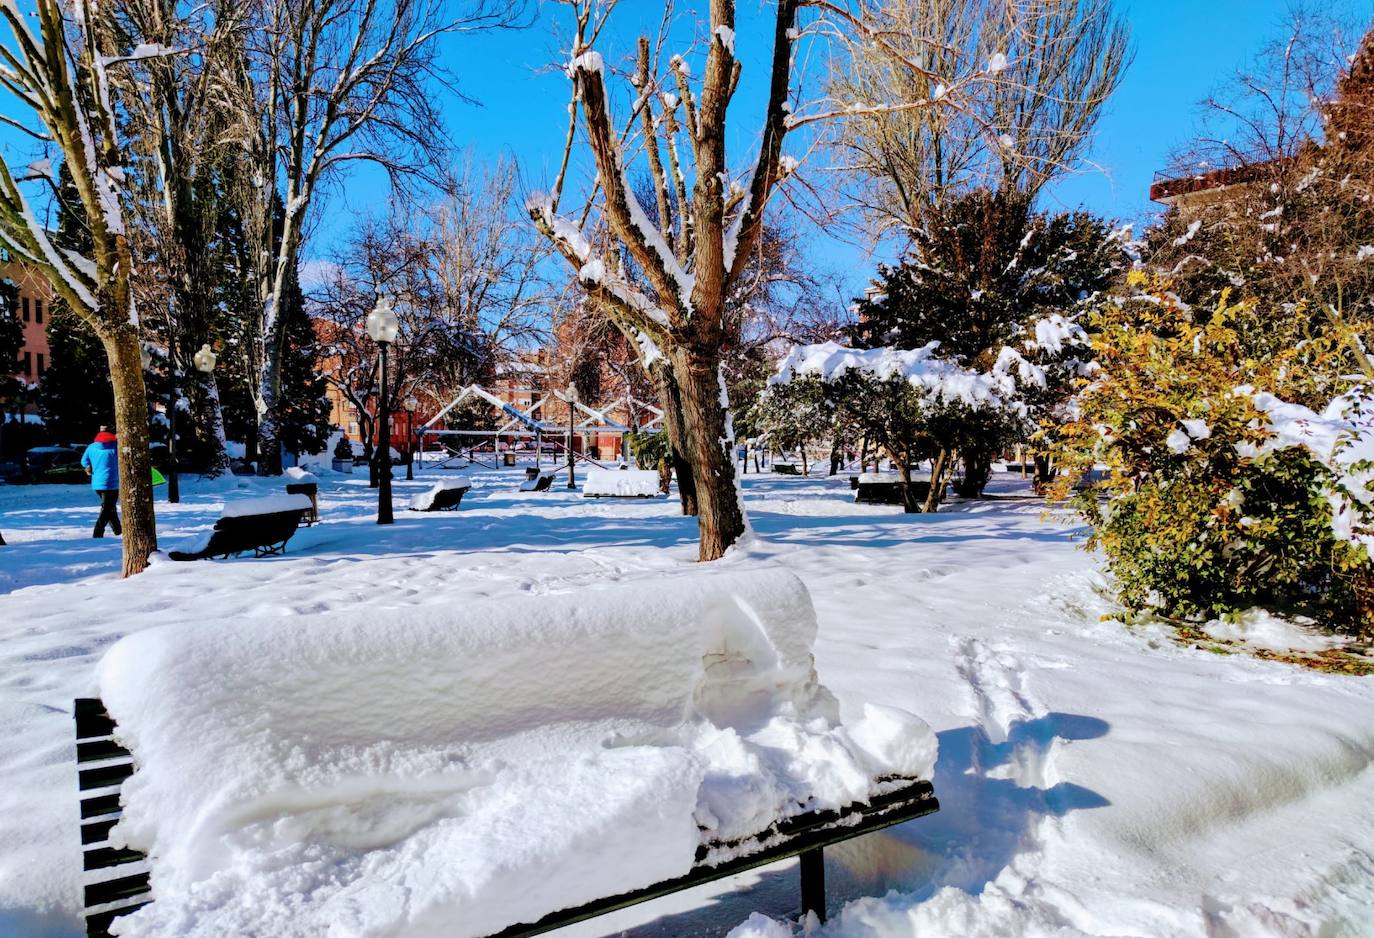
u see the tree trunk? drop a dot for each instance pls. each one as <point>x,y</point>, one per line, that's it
<point>903,462</point>
<point>1044,472</point>
<point>937,474</point>
<point>977,472</point>
<point>135,465</point>
<point>720,519</point>
<point>212,420</point>
<point>670,400</point>
<point>835,456</point>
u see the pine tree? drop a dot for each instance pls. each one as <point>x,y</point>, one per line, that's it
<point>301,408</point>
<point>986,266</point>
<point>75,395</point>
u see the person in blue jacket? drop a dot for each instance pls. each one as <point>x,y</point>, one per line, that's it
<point>101,462</point>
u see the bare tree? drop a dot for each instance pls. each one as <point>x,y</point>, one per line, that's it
<point>484,267</point>
<point>1034,75</point>
<point>179,109</point>
<point>668,284</point>
<point>62,77</point>
<point>322,86</point>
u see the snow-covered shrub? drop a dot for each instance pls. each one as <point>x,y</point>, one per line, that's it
<point>793,415</point>
<point>1216,495</point>
<point>912,404</point>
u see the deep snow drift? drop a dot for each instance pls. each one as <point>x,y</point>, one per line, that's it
<point>1094,779</point>
<point>463,768</point>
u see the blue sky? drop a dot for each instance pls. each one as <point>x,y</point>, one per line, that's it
<point>1183,50</point>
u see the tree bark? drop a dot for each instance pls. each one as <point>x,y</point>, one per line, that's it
<point>909,503</point>
<point>720,520</point>
<point>135,464</point>
<point>670,400</point>
<point>214,425</point>
<point>937,474</point>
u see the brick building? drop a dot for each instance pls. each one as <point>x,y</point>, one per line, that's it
<point>31,308</point>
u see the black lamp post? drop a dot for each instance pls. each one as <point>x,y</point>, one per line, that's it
<point>410,403</point>
<point>383,327</point>
<point>571,394</point>
<point>204,360</point>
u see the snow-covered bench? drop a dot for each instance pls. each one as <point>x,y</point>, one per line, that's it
<point>621,483</point>
<point>539,481</point>
<point>262,525</point>
<point>879,488</point>
<point>445,495</point>
<point>787,468</point>
<point>502,767</point>
<point>302,482</point>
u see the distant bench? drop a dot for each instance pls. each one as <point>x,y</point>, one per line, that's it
<point>873,488</point>
<point>262,525</point>
<point>787,468</point>
<point>446,495</point>
<point>537,481</point>
<point>622,483</point>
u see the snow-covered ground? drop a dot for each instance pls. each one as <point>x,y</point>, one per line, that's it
<point>1094,779</point>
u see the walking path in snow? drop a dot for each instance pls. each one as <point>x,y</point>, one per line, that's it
<point>1094,779</point>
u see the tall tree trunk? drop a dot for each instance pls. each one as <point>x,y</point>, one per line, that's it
<point>670,401</point>
<point>720,519</point>
<point>938,468</point>
<point>909,503</point>
<point>135,464</point>
<point>835,456</point>
<point>213,422</point>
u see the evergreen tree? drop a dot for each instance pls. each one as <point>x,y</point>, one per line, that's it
<point>985,267</point>
<point>75,395</point>
<point>301,408</point>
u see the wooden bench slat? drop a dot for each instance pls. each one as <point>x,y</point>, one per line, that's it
<point>99,806</point>
<point>104,776</point>
<point>98,923</point>
<point>94,832</point>
<point>97,750</point>
<point>91,719</point>
<point>112,890</point>
<point>102,858</point>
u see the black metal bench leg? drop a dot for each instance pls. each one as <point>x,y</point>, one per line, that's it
<point>813,883</point>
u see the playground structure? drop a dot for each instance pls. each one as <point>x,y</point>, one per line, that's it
<point>539,436</point>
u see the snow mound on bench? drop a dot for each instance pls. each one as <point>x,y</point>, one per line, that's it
<point>621,483</point>
<point>462,768</point>
<point>265,505</point>
<point>425,500</point>
<point>299,475</point>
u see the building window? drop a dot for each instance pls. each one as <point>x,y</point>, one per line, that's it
<point>41,369</point>
<point>38,317</point>
<point>28,363</point>
<point>24,304</point>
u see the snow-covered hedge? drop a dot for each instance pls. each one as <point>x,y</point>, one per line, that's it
<point>1216,497</point>
<point>461,767</point>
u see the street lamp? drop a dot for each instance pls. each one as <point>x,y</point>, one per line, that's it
<point>205,359</point>
<point>383,327</point>
<point>571,394</point>
<point>410,403</point>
